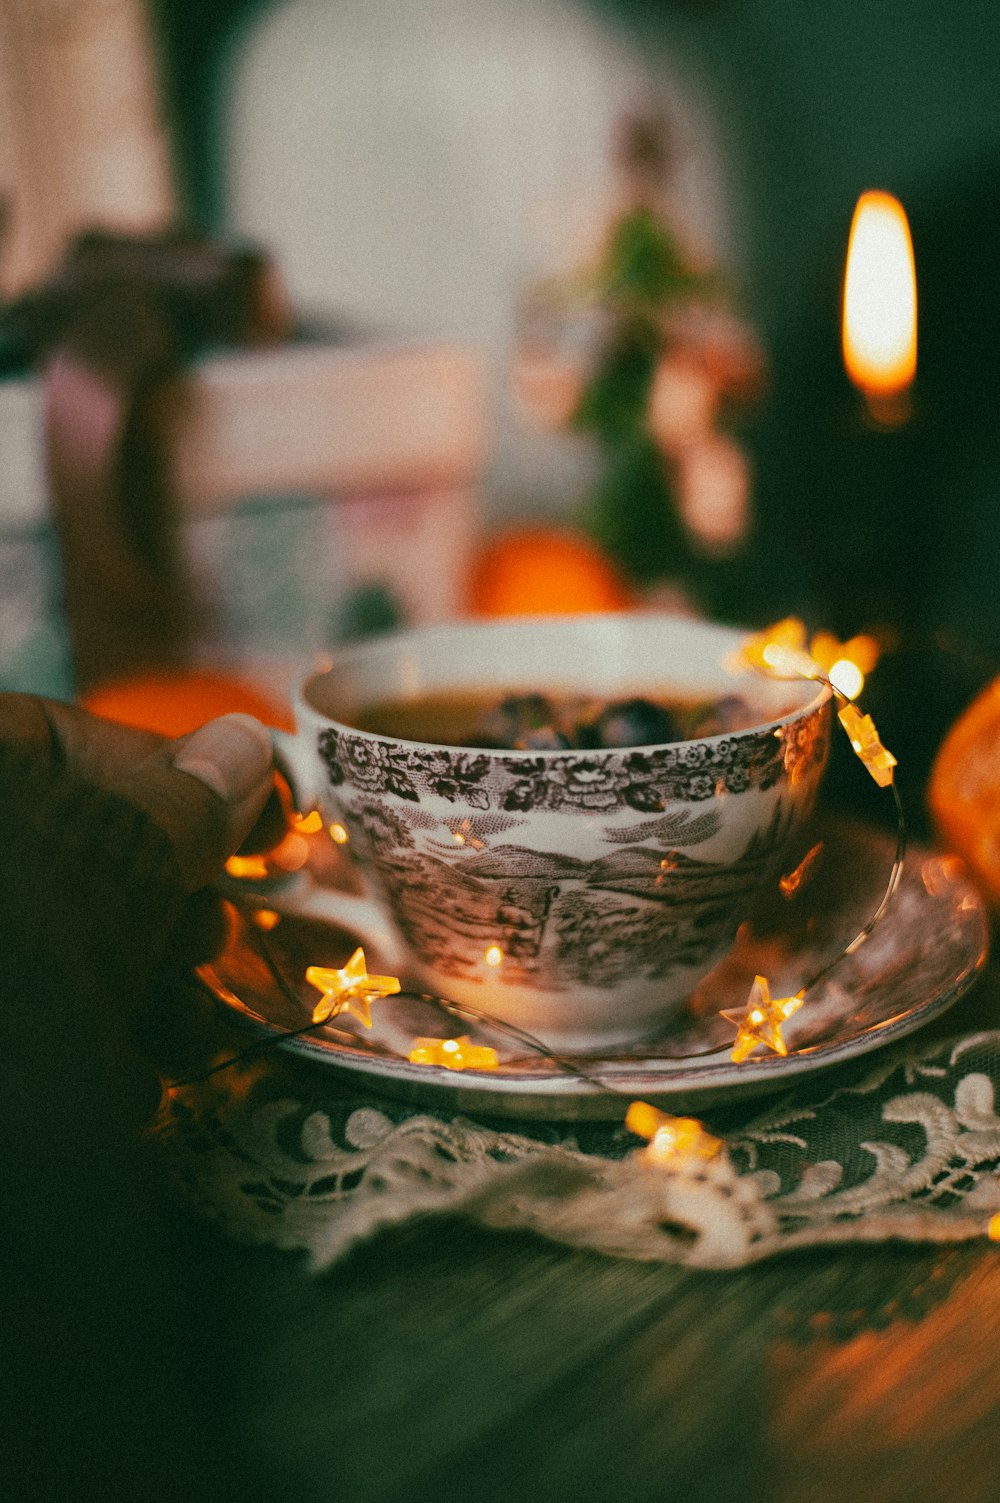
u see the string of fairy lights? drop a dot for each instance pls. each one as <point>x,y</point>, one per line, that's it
<point>782,651</point>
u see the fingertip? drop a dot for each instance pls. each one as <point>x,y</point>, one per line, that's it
<point>231,755</point>
<point>205,791</point>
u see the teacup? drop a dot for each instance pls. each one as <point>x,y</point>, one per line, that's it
<point>578,895</point>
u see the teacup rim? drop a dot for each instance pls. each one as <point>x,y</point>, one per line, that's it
<point>408,634</point>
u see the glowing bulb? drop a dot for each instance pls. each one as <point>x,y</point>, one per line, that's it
<point>847,678</point>
<point>494,955</point>
<point>864,738</point>
<point>309,824</point>
<point>248,867</point>
<point>762,1022</point>
<point>780,650</point>
<point>266,918</point>
<point>453,1054</point>
<point>670,1137</point>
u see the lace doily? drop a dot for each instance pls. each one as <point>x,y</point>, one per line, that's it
<point>909,1149</point>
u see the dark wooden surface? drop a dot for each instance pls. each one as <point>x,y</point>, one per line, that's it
<point>444,1361</point>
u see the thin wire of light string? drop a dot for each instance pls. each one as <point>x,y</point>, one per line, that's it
<point>568,1063</point>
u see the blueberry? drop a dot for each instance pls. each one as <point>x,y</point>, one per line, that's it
<point>523,722</point>
<point>636,722</point>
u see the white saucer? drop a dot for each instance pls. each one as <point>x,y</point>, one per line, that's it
<point>920,958</point>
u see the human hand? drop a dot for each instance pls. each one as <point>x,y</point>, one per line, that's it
<point>99,1003</point>
<point>209,793</point>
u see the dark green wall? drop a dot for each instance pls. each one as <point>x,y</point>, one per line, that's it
<point>818,99</point>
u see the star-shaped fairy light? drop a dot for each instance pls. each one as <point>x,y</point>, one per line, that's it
<point>350,989</point>
<point>762,1021</point>
<point>454,1054</point>
<point>670,1137</point>
<point>784,651</point>
<point>865,740</point>
<point>780,651</point>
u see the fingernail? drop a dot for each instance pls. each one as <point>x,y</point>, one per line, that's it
<point>231,755</point>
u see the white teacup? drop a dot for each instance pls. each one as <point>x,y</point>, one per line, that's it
<point>578,895</point>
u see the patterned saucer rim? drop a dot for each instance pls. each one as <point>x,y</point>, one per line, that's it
<point>681,1082</point>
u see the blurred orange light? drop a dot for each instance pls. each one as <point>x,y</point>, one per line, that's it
<point>176,703</point>
<point>266,919</point>
<point>880,301</point>
<point>670,1137</point>
<point>254,867</point>
<point>309,824</point>
<point>544,571</point>
<point>789,884</point>
<point>292,853</point>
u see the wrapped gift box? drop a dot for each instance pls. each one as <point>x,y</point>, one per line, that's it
<point>324,491</point>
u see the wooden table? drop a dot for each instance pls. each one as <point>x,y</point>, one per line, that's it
<point>444,1361</point>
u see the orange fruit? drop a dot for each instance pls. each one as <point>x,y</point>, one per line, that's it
<point>963,791</point>
<point>544,571</point>
<point>175,703</point>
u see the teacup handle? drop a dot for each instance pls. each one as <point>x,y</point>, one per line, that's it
<point>299,896</point>
<point>291,758</point>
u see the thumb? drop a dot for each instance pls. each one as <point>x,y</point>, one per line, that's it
<point>205,791</point>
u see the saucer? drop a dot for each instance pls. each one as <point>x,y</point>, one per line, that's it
<point>919,959</point>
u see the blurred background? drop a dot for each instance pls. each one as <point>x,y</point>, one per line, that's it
<point>549,317</point>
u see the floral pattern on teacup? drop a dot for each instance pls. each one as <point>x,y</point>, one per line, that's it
<point>372,766</point>
<point>459,779</point>
<point>639,778</point>
<point>589,783</point>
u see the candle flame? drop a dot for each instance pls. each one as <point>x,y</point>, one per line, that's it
<point>880,299</point>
